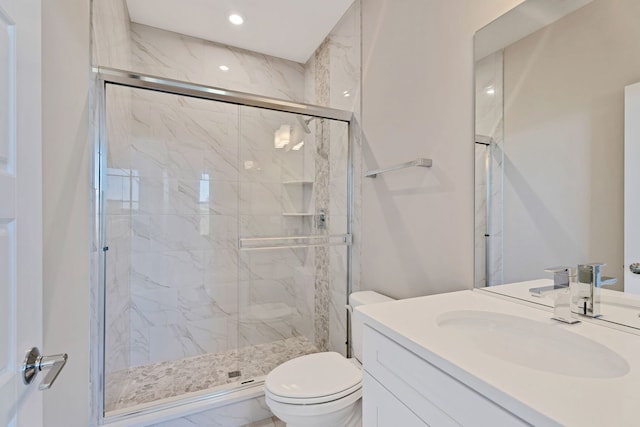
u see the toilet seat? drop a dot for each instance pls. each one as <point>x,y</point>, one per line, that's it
<point>313,379</point>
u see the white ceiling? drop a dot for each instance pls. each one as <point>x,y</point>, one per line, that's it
<point>289,29</point>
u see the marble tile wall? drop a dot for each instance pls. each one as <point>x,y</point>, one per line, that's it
<point>117,43</point>
<point>489,174</point>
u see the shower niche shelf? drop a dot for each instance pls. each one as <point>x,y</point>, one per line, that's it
<point>298,195</point>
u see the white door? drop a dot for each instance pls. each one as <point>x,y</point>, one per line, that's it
<point>631,186</point>
<point>20,208</point>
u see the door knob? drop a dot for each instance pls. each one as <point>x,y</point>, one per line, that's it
<point>635,268</point>
<point>34,362</point>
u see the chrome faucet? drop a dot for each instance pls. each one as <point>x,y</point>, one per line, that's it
<point>586,298</point>
<point>563,278</point>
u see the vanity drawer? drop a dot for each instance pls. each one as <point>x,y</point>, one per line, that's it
<point>433,395</point>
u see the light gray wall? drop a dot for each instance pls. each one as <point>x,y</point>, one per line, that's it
<point>417,101</point>
<point>65,122</point>
<point>564,135</point>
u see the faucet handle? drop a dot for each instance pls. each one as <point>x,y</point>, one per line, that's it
<point>591,274</point>
<point>559,269</point>
<point>561,275</point>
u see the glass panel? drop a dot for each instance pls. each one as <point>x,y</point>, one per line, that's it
<point>170,186</point>
<point>293,182</point>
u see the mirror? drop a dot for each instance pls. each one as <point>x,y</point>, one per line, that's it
<point>550,141</point>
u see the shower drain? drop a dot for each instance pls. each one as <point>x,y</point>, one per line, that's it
<point>234,374</point>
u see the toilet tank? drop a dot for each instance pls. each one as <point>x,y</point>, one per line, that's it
<point>356,299</point>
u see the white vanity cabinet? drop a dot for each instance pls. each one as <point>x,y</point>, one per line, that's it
<point>469,358</point>
<point>381,408</point>
<point>402,389</point>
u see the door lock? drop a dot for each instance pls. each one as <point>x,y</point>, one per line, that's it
<point>34,362</point>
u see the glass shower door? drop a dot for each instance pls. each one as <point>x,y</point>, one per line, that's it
<point>225,238</point>
<point>170,185</point>
<point>293,208</point>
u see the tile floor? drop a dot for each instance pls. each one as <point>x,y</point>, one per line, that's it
<point>146,384</point>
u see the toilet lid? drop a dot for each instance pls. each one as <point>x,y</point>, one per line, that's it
<point>313,376</point>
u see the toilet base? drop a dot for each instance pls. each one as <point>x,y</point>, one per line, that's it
<point>353,420</point>
<point>345,412</point>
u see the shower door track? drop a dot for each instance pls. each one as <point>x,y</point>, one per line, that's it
<point>177,87</point>
<point>104,76</point>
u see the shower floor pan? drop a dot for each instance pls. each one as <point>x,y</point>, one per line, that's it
<point>145,386</point>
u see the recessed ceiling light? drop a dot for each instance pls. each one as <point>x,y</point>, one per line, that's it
<point>224,68</point>
<point>236,19</point>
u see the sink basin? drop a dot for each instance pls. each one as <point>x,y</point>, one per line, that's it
<point>535,345</point>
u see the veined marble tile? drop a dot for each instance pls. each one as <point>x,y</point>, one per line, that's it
<point>167,54</point>
<point>118,119</point>
<point>274,264</point>
<point>152,271</point>
<point>261,198</point>
<point>196,304</point>
<point>267,291</point>
<point>162,233</point>
<point>157,307</point>
<point>221,266</point>
<point>117,342</point>
<point>159,52</point>
<point>225,295</point>
<point>111,45</point>
<point>261,225</point>
<point>345,60</point>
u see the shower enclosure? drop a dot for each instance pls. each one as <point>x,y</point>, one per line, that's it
<point>225,227</point>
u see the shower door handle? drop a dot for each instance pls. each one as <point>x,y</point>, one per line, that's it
<point>34,362</point>
<point>635,268</point>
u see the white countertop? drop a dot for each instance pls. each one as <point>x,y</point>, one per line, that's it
<point>535,395</point>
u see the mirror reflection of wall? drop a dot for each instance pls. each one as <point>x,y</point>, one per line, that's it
<point>557,198</point>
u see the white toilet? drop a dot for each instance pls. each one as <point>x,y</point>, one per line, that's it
<point>322,389</point>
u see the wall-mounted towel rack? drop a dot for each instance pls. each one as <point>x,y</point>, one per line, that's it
<point>425,163</point>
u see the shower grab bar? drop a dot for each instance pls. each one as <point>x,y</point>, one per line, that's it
<point>425,163</point>
<point>293,242</point>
